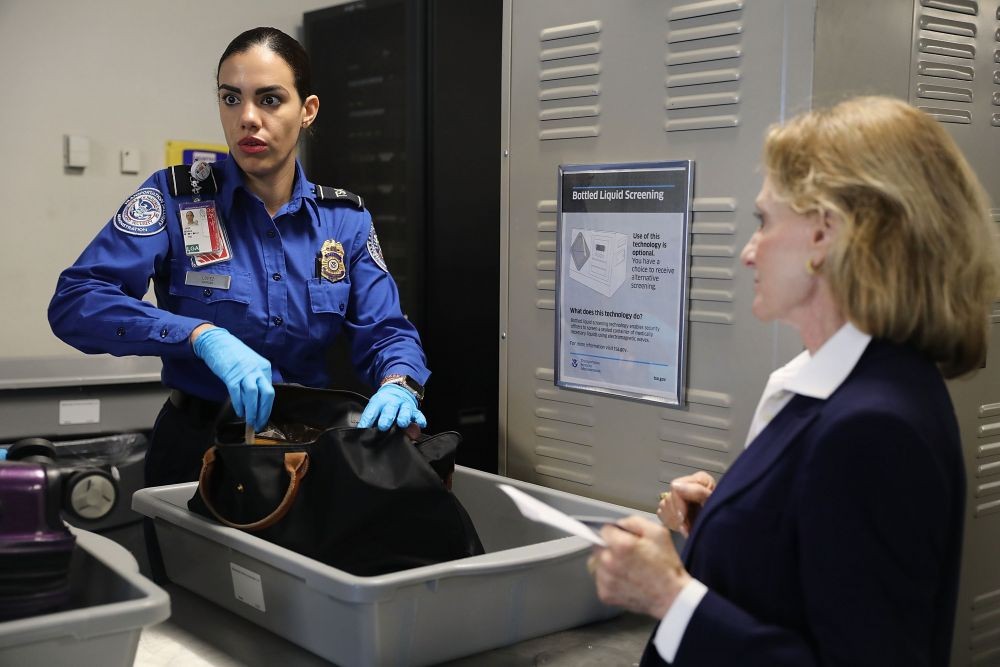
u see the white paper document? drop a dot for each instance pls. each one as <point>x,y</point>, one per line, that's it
<point>536,510</point>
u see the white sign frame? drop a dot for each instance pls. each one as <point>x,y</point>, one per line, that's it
<point>622,279</point>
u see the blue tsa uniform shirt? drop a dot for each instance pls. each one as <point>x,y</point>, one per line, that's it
<point>286,287</point>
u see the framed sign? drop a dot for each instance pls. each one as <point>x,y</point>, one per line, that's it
<point>622,279</point>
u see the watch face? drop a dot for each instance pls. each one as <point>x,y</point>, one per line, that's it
<point>414,386</point>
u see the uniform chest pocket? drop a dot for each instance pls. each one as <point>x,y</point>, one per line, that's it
<point>328,303</point>
<point>227,308</point>
<point>327,297</point>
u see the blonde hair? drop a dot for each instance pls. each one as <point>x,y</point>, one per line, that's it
<point>915,260</point>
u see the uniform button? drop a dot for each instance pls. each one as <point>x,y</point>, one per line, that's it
<point>341,307</point>
<point>277,321</point>
<point>163,332</point>
<point>277,276</point>
<point>120,331</point>
<point>207,291</point>
<point>271,234</point>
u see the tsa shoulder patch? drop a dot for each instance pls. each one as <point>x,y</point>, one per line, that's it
<point>375,250</point>
<point>142,213</point>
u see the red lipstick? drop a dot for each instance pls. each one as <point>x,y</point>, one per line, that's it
<point>252,145</point>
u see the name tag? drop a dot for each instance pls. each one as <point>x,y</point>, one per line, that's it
<point>198,279</point>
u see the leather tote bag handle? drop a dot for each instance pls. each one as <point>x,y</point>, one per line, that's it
<point>296,465</point>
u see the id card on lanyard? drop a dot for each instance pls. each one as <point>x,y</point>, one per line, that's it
<point>200,227</point>
<point>205,240</point>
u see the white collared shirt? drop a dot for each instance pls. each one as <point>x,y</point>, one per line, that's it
<point>816,376</point>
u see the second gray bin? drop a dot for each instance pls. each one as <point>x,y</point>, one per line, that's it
<point>532,581</point>
<point>110,603</point>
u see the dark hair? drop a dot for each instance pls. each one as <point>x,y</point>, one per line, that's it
<point>278,42</point>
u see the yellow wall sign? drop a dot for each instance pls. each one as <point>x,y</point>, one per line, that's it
<point>186,152</point>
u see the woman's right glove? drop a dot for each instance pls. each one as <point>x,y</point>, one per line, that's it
<point>391,403</point>
<point>246,374</point>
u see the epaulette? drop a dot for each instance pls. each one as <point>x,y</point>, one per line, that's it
<point>326,193</point>
<point>179,177</point>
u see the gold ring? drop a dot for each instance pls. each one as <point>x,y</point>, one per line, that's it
<point>664,495</point>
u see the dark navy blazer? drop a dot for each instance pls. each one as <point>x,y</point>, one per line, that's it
<point>835,538</point>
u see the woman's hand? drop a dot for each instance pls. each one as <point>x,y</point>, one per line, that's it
<point>246,374</point>
<point>391,403</point>
<point>639,569</point>
<point>679,507</point>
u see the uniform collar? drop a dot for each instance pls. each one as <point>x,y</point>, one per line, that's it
<point>307,191</point>
<point>301,190</point>
<point>232,181</point>
<point>821,374</point>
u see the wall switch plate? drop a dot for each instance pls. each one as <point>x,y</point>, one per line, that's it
<point>129,160</point>
<point>76,151</point>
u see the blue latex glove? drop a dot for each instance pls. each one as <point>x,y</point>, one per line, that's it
<point>247,375</point>
<point>392,403</point>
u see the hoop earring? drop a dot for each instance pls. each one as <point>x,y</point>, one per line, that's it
<point>810,267</point>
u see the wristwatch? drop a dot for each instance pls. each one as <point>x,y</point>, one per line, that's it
<point>408,383</point>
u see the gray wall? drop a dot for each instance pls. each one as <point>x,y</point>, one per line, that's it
<point>587,83</point>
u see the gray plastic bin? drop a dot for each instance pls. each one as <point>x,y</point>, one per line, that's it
<point>110,603</point>
<point>532,581</point>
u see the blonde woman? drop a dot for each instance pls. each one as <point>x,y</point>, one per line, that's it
<point>835,538</point>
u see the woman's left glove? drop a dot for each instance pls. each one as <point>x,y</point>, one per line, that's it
<point>391,403</point>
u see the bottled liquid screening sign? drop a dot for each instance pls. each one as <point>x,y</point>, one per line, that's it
<point>621,291</point>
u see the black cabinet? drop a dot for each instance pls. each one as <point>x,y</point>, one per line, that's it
<point>410,120</point>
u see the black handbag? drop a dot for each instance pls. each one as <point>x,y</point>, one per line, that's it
<point>362,500</point>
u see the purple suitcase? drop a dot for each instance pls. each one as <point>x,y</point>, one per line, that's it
<point>35,545</point>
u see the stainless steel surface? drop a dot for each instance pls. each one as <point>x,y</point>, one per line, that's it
<point>694,81</point>
<point>43,372</point>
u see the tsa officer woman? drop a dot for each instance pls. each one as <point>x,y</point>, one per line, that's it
<point>255,270</point>
<point>835,537</point>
